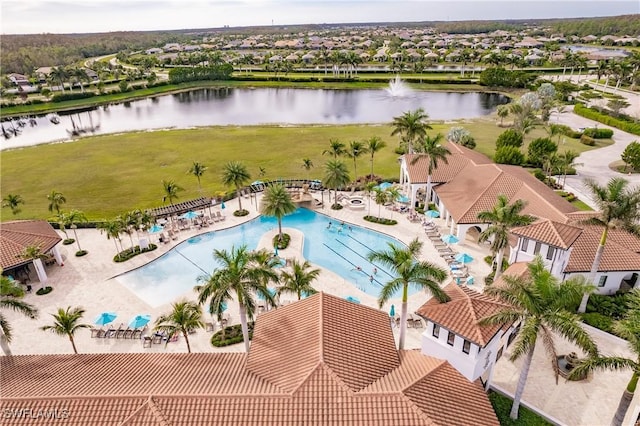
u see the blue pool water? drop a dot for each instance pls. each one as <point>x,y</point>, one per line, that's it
<point>337,248</point>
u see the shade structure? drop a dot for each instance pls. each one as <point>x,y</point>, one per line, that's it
<point>105,318</point>
<point>352,299</point>
<point>403,199</point>
<point>155,229</point>
<point>385,185</point>
<point>272,291</point>
<point>463,258</point>
<point>432,213</point>
<point>139,321</point>
<point>190,215</point>
<point>450,239</point>
<point>392,311</point>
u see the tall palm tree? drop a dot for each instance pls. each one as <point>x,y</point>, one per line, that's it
<point>184,317</point>
<point>431,149</point>
<point>13,201</point>
<point>238,273</point>
<point>197,169</point>
<point>56,199</point>
<point>374,144</point>
<point>369,188</point>
<point>503,112</point>
<point>540,303</point>
<point>336,149</point>
<point>356,150</point>
<point>299,280</point>
<point>629,328</point>
<point>113,228</point>
<point>567,160</point>
<point>10,294</point>
<point>73,218</point>
<point>380,197</point>
<point>66,323</point>
<point>411,126</point>
<point>408,270</point>
<point>171,190</point>
<point>619,207</point>
<point>277,202</point>
<point>336,176</point>
<point>307,164</point>
<point>235,173</point>
<point>502,217</point>
<point>59,74</point>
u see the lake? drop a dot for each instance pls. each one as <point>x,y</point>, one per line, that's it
<point>224,106</point>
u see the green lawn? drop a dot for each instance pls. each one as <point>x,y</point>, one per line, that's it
<point>107,175</point>
<point>502,406</point>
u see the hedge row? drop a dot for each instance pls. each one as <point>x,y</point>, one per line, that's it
<point>360,79</point>
<point>72,96</point>
<point>618,123</point>
<point>231,335</point>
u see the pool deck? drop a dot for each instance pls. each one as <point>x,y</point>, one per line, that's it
<point>86,282</point>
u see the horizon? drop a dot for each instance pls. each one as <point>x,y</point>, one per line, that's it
<point>107,16</point>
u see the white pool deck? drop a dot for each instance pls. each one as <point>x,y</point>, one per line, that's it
<point>87,282</point>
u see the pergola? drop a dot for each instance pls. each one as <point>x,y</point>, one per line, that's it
<point>180,208</point>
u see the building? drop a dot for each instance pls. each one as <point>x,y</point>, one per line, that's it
<point>322,360</point>
<point>453,333</point>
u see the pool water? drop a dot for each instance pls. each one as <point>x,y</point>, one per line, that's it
<point>340,248</point>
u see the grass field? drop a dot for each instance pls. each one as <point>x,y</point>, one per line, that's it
<point>107,175</point>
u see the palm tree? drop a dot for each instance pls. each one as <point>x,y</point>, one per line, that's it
<point>113,228</point>
<point>235,173</point>
<point>58,74</point>
<point>13,201</point>
<point>73,218</point>
<point>411,126</point>
<point>307,164</point>
<point>336,148</point>
<point>567,160</point>
<point>197,169</point>
<point>171,190</point>
<point>628,328</point>
<point>10,294</point>
<point>431,148</point>
<point>56,199</point>
<point>66,324</point>
<point>184,318</point>
<point>503,112</point>
<point>356,150</point>
<point>241,274</point>
<point>619,207</point>
<point>374,144</point>
<point>369,188</point>
<point>336,176</point>
<point>540,304</point>
<point>408,270</point>
<point>277,202</point>
<point>380,197</point>
<point>502,217</point>
<point>298,281</point>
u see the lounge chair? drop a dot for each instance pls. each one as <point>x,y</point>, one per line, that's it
<point>120,332</point>
<point>97,332</point>
<point>111,332</point>
<point>157,339</point>
<point>146,343</point>
<point>137,334</point>
<point>209,327</point>
<point>128,333</point>
<point>221,218</point>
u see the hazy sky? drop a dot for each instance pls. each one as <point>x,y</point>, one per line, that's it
<point>78,16</point>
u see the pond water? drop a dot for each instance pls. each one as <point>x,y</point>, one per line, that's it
<point>206,107</point>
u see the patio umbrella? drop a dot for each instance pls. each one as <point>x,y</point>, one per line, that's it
<point>471,279</point>
<point>463,258</point>
<point>105,318</point>
<point>256,182</point>
<point>222,206</point>
<point>392,312</point>
<point>385,185</point>
<point>190,215</point>
<point>155,229</point>
<point>432,214</point>
<point>352,299</point>
<point>403,199</point>
<point>139,321</point>
<point>450,239</point>
<point>271,290</point>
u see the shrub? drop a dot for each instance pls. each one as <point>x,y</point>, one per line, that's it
<point>468,141</point>
<point>598,321</point>
<point>587,140</point>
<point>509,137</point>
<point>44,290</point>
<point>502,407</point>
<point>81,253</point>
<point>621,122</point>
<point>539,174</point>
<point>380,220</point>
<point>71,96</point>
<point>539,149</point>
<point>631,155</point>
<point>231,335</point>
<point>281,245</point>
<point>500,77</point>
<point>509,155</point>
<point>610,306</point>
<point>132,252</point>
<point>598,133</point>
<point>336,206</point>
<point>68,241</point>
<point>241,213</point>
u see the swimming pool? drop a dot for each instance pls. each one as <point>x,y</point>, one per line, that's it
<point>341,249</point>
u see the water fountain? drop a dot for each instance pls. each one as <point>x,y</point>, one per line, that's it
<point>398,88</point>
<point>568,362</point>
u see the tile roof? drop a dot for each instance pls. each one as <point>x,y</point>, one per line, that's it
<point>549,232</point>
<point>401,388</point>
<point>616,257</point>
<point>15,236</point>
<point>516,270</point>
<point>460,158</point>
<point>461,314</point>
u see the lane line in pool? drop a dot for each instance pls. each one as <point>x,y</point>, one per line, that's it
<point>192,262</point>
<point>352,264</point>
<point>358,254</point>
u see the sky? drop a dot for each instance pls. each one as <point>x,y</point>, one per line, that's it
<point>81,16</point>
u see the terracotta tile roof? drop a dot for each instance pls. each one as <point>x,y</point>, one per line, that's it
<point>231,388</point>
<point>461,314</point>
<point>620,236</point>
<point>17,235</point>
<point>516,270</point>
<point>460,158</point>
<point>476,188</point>
<point>616,257</point>
<point>550,232</point>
